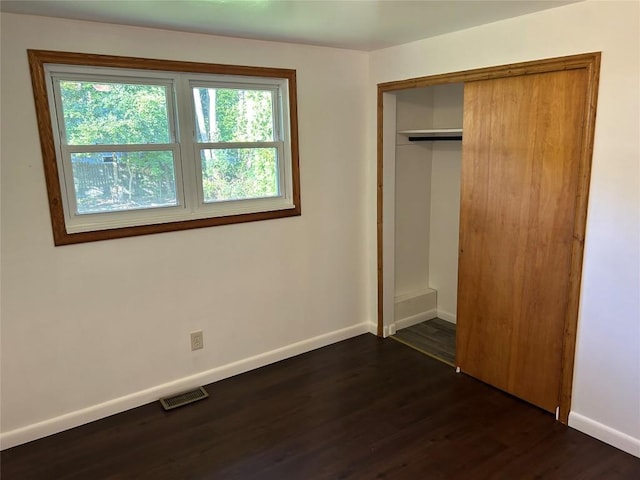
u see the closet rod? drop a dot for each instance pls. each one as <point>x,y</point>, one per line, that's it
<point>435,139</point>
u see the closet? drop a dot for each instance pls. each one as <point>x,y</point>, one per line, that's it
<point>427,203</point>
<point>511,278</point>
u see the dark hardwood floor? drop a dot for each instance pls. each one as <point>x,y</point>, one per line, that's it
<point>435,337</point>
<point>364,408</point>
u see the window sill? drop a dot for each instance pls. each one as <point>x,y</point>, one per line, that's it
<point>65,238</point>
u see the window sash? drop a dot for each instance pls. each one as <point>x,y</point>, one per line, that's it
<point>166,82</point>
<point>76,221</point>
<point>277,105</point>
<point>282,169</point>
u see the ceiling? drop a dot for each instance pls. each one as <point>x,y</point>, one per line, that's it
<point>354,24</point>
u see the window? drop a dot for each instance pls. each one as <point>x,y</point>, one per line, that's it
<point>135,146</point>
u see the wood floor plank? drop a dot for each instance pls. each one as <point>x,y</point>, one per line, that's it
<point>434,337</point>
<point>360,409</point>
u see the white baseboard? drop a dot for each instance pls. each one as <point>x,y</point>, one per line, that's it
<point>95,412</point>
<point>415,319</point>
<point>415,294</point>
<point>602,432</point>
<point>372,328</point>
<point>449,317</point>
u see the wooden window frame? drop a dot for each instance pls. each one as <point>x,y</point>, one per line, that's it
<point>39,59</point>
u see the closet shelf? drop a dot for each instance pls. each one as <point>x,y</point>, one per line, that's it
<point>433,134</point>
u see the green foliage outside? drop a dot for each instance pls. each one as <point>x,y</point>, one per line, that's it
<point>121,114</point>
<point>228,115</point>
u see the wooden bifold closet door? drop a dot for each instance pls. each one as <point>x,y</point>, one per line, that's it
<point>520,178</point>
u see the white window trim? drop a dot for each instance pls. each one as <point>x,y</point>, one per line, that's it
<point>186,151</point>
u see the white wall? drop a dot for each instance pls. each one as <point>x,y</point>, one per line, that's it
<point>606,393</point>
<point>427,196</point>
<point>91,329</point>
<point>445,220</point>
<point>446,161</point>
<point>412,193</point>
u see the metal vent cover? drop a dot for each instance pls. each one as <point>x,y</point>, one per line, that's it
<point>184,398</point>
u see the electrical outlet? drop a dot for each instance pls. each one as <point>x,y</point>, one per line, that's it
<point>197,341</point>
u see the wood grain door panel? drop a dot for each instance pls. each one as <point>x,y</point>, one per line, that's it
<point>521,152</point>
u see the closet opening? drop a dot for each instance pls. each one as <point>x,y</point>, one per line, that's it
<point>508,232</point>
<point>427,153</point>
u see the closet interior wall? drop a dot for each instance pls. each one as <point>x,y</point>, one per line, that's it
<point>427,206</point>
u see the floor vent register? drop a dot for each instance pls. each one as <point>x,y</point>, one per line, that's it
<point>184,398</point>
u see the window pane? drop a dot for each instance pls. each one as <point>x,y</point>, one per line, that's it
<point>239,173</point>
<point>117,181</point>
<point>100,113</point>
<point>232,115</point>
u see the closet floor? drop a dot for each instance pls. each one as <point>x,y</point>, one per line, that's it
<point>435,338</point>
